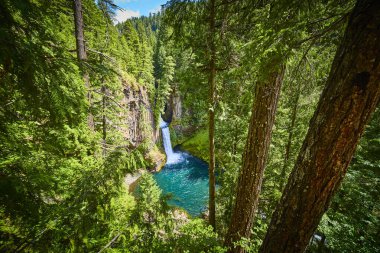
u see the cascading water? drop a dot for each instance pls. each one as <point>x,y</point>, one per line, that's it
<point>167,142</point>
<point>170,155</point>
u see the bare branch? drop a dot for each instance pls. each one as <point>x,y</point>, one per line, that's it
<point>110,243</point>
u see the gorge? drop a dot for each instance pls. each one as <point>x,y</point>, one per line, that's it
<point>202,126</point>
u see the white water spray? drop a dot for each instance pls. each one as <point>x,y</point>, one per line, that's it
<point>170,155</point>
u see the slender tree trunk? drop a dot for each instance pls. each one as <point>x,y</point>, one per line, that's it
<point>79,32</point>
<point>254,159</point>
<point>235,142</point>
<point>290,138</point>
<point>104,120</point>
<point>81,53</point>
<point>212,100</point>
<point>350,96</point>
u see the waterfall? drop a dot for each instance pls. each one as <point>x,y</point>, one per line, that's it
<point>167,143</point>
<point>170,155</point>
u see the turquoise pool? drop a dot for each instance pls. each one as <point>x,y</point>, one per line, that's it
<point>187,181</point>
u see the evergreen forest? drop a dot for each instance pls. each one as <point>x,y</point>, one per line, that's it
<point>207,126</point>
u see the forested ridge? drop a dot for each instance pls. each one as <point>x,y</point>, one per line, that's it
<point>280,98</point>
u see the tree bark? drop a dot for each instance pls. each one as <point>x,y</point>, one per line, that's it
<point>350,96</point>
<point>79,33</point>
<point>81,53</point>
<point>254,159</point>
<point>212,100</point>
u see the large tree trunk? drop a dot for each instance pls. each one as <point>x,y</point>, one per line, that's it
<point>212,100</point>
<point>255,156</point>
<point>81,53</point>
<point>350,96</point>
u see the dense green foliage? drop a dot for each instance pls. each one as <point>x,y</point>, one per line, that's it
<point>61,184</point>
<point>308,43</point>
<point>57,180</point>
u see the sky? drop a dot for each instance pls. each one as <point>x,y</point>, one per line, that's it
<point>136,8</point>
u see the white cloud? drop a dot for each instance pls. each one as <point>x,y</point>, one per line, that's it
<point>122,15</point>
<point>155,10</point>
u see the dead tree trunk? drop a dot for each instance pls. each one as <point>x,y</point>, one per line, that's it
<point>81,53</point>
<point>350,96</point>
<point>255,156</point>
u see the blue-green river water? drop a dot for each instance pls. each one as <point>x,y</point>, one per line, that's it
<point>187,181</point>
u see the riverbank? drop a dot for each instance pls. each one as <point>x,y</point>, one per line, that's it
<point>197,145</point>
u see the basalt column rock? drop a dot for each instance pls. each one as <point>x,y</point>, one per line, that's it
<point>173,108</point>
<point>140,120</point>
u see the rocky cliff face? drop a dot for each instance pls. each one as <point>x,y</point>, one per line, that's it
<point>177,105</point>
<point>173,108</point>
<point>175,114</point>
<point>139,118</point>
<point>140,124</point>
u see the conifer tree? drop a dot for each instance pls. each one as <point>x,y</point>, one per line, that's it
<point>347,102</point>
<point>255,157</point>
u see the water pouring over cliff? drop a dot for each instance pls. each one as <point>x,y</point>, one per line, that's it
<point>172,157</point>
